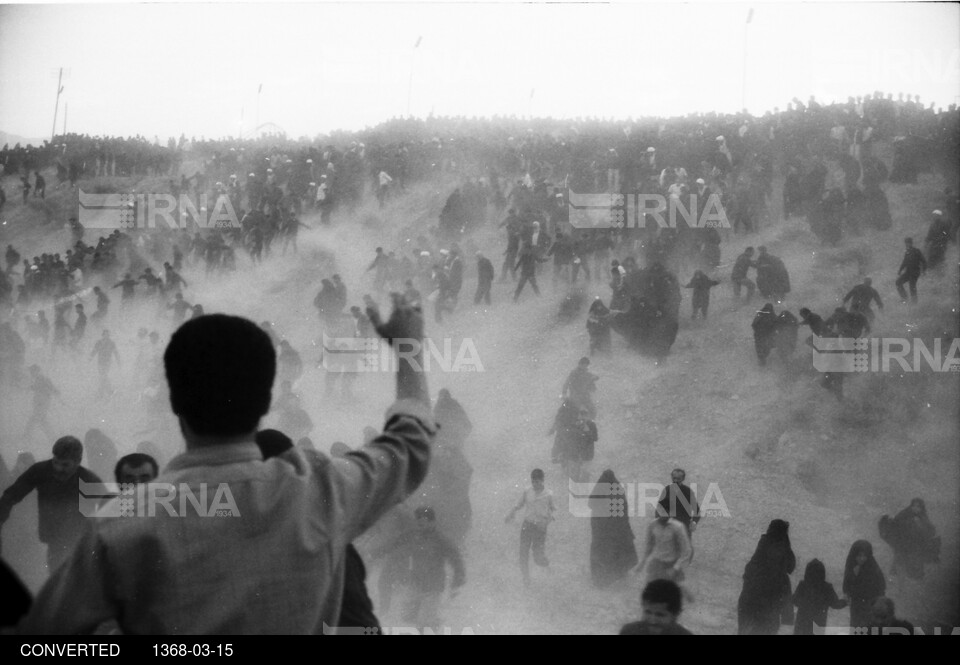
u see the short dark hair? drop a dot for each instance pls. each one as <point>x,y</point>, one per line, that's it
<point>220,370</point>
<point>666,592</point>
<point>135,460</point>
<point>68,447</point>
<point>272,442</point>
<point>536,474</point>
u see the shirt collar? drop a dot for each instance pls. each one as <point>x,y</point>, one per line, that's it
<point>216,455</point>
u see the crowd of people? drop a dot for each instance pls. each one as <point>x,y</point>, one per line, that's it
<point>329,514</point>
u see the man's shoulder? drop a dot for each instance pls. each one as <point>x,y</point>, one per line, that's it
<point>88,476</point>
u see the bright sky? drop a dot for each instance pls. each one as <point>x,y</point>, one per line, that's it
<point>163,69</point>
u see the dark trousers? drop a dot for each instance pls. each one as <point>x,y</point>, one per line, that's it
<point>737,283</point>
<point>532,537</point>
<point>523,280</point>
<point>483,293</point>
<point>509,264</point>
<point>700,305</point>
<point>912,281</point>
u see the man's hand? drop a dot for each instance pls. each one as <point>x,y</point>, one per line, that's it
<point>406,321</point>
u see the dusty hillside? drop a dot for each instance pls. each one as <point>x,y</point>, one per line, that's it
<point>774,443</point>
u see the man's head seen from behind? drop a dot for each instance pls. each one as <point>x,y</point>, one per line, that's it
<point>220,370</point>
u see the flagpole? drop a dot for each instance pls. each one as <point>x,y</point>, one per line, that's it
<point>56,106</point>
<point>259,90</point>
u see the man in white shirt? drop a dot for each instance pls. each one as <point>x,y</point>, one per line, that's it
<point>538,506</point>
<point>668,549</point>
<point>384,187</point>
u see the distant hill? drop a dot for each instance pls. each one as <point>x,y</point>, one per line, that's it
<point>14,139</point>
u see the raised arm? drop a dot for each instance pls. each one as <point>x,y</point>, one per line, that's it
<point>374,479</point>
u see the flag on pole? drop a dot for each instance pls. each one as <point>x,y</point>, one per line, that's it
<point>419,39</point>
<point>750,16</point>
<point>260,89</point>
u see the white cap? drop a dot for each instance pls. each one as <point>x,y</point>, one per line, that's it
<point>720,138</point>
<point>651,149</point>
<point>701,181</point>
<point>937,213</point>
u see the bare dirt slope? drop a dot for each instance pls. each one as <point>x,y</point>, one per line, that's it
<point>771,440</point>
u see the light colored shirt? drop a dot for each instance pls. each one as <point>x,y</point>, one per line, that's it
<point>668,542</point>
<point>276,567</point>
<point>538,507</point>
